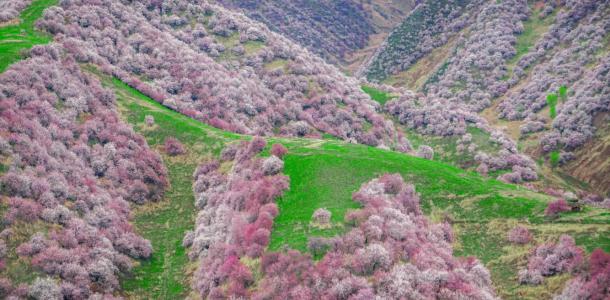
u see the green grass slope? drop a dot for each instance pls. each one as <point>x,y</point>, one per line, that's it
<point>377,95</point>
<point>16,38</point>
<point>325,173</point>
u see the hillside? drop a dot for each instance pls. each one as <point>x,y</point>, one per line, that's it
<point>478,208</point>
<point>503,60</point>
<point>229,71</point>
<point>184,150</point>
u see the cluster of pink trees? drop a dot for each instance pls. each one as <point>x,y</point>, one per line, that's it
<point>592,275</point>
<point>73,168</point>
<point>594,283</point>
<point>392,250</point>
<point>581,27</point>
<point>441,117</point>
<point>473,75</point>
<point>430,116</point>
<point>550,259</point>
<point>236,218</point>
<point>10,9</point>
<point>574,125</point>
<point>192,69</point>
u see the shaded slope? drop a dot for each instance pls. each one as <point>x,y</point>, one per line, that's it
<point>328,28</point>
<point>337,31</point>
<point>428,26</point>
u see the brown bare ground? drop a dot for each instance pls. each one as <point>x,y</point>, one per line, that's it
<point>14,21</point>
<point>592,163</point>
<point>511,128</point>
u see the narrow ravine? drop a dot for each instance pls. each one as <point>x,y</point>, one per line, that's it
<point>164,276</point>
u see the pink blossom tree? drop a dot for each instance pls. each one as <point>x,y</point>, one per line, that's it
<point>173,147</point>
<point>321,216</point>
<point>519,235</point>
<point>556,207</point>
<point>278,150</point>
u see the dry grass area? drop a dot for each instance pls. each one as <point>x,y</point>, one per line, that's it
<point>14,21</point>
<point>511,128</point>
<point>354,61</point>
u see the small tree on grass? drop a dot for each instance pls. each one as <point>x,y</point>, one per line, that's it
<point>272,165</point>
<point>556,207</point>
<point>519,235</point>
<point>318,245</point>
<point>257,145</point>
<point>425,151</point>
<point>278,150</point>
<point>149,120</point>
<point>173,147</point>
<point>321,217</point>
